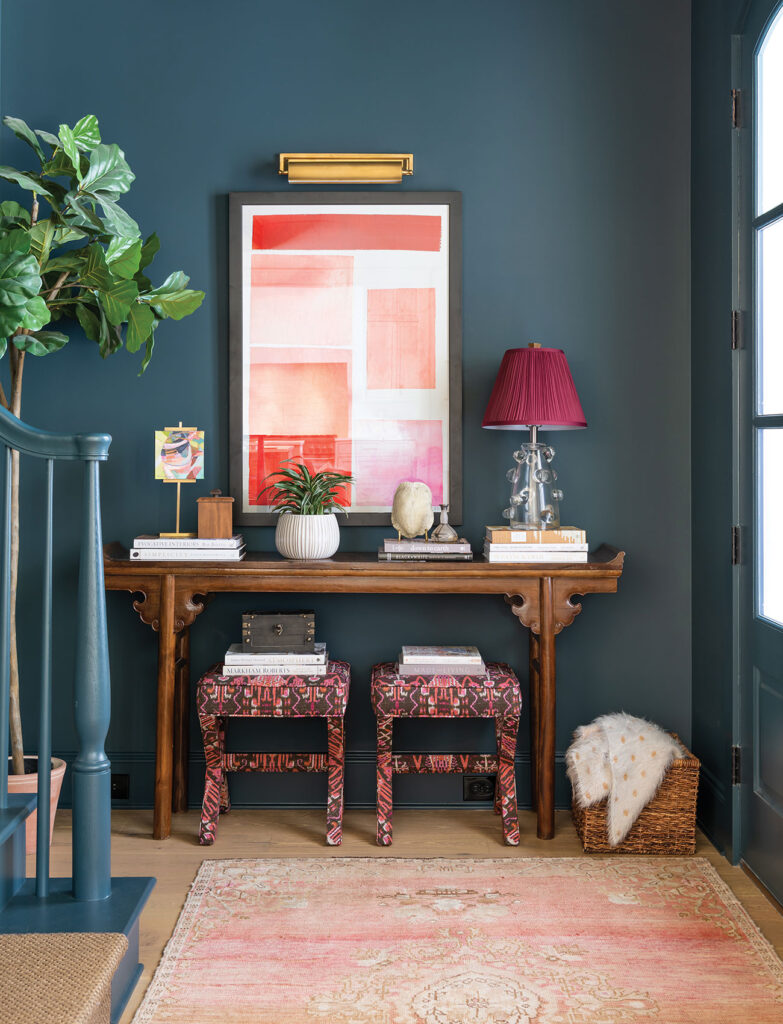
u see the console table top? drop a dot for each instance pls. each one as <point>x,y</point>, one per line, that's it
<point>604,561</point>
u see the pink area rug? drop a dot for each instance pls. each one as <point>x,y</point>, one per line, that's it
<point>512,941</point>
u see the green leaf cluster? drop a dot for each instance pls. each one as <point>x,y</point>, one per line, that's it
<point>84,258</point>
<point>304,493</point>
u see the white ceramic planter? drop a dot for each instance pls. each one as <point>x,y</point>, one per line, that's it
<point>307,536</point>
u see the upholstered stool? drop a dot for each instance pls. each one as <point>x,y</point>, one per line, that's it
<point>221,697</point>
<point>496,695</point>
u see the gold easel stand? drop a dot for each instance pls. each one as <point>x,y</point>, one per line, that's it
<point>179,490</point>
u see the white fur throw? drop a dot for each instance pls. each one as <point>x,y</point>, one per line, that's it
<point>622,759</point>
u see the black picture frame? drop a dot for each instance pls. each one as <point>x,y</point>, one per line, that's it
<point>238,201</point>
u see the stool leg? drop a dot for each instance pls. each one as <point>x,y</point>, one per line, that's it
<point>384,797</point>
<point>335,729</point>
<point>225,800</point>
<point>507,779</point>
<point>213,752</point>
<point>498,737</point>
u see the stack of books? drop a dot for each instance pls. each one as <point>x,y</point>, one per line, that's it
<point>565,544</point>
<point>440,661</point>
<point>188,549</point>
<point>239,662</point>
<point>394,550</point>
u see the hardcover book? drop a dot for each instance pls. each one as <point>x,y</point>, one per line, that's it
<point>440,655</point>
<point>460,546</point>
<point>424,556</point>
<point>275,670</point>
<point>532,555</point>
<point>146,540</point>
<point>456,669</point>
<point>562,535</point>
<point>188,554</point>
<point>238,654</point>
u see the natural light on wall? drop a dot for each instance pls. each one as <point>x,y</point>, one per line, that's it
<point>769,317</point>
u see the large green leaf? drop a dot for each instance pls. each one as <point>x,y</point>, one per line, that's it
<point>12,213</point>
<point>71,261</point>
<point>118,221</point>
<point>40,343</point>
<point>96,273</point>
<point>17,240</point>
<point>68,234</point>
<point>3,346</point>
<point>85,132</point>
<point>81,216</point>
<point>41,238</point>
<point>48,137</point>
<point>149,349</point>
<point>176,304</point>
<point>91,324</point>
<point>36,314</point>
<point>71,149</point>
<point>123,256</point>
<point>117,299</point>
<point>174,283</point>
<point>31,182</point>
<point>109,174</point>
<point>60,164</point>
<point>148,251</point>
<point>141,321</point>
<point>19,280</point>
<point>22,131</point>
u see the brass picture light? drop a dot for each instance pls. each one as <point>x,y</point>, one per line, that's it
<point>345,168</point>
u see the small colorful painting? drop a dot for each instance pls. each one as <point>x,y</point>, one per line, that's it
<point>345,345</point>
<point>179,454</point>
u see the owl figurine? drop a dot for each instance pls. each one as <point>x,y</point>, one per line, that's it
<point>412,512</point>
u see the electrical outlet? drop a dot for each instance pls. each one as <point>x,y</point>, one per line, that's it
<point>120,787</point>
<point>478,787</point>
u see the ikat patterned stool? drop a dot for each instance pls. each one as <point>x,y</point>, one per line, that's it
<point>221,697</point>
<point>495,696</point>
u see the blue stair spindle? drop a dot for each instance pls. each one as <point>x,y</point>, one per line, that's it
<point>5,630</point>
<point>91,769</point>
<point>45,726</point>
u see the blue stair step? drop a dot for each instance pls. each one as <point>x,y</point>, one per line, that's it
<point>60,912</point>
<point>12,840</point>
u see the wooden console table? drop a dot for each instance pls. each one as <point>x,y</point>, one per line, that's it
<point>172,594</point>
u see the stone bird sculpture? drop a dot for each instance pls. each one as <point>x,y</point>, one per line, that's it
<point>412,512</point>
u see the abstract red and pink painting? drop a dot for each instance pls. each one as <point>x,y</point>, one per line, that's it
<point>345,346</point>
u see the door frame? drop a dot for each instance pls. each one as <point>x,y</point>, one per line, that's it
<point>753,22</point>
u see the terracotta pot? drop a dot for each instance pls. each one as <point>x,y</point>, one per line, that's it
<point>28,783</point>
<point>307,536</point>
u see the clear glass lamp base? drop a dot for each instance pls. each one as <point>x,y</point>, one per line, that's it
<point>534,497</point>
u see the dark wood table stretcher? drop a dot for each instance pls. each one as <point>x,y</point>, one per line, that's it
<point>169,596</point>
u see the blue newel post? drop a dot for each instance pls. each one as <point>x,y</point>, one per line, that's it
<point>92,703</point>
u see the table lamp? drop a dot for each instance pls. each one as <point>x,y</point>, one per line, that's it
<point>534,389</point>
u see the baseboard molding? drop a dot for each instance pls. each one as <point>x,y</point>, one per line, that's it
<point>308,790</point>
<point>713,813</point>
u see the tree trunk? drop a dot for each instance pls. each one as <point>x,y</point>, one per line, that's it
<point>17,743</point>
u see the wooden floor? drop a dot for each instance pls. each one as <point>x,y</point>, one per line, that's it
<point>452,832</point>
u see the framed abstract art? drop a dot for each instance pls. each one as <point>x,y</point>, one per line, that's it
<point>345,344</point>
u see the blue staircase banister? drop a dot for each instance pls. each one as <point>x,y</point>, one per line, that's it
<point>47,444</point>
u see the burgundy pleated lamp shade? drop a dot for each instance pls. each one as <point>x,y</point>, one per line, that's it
<point>534,388</point>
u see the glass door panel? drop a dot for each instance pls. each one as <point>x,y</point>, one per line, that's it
<point>770,527</point>
<point>769,353</point>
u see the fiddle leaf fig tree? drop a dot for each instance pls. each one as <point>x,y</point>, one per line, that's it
<point>69,251</point>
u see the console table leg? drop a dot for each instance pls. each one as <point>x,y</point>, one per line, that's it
<point>535,683</point>
<point>181,720</point>
<point>161,822</point>
<point>545,714</point>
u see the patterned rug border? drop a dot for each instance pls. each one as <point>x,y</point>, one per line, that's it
<point>199,886</point>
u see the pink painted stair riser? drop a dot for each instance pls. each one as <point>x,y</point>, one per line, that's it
<point>29,784</point>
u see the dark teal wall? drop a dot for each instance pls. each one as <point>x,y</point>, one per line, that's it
<point>566,126</point>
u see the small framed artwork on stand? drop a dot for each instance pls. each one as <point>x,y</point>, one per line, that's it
<point>179,459</point>
<point>345,340</point>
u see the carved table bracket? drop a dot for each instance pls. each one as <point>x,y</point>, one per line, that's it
<point>526,603</point>
<point>187,605</point>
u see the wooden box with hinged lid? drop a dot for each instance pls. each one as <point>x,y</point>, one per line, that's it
<point>279,631</point>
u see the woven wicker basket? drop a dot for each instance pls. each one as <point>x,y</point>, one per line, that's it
<point>667,825</point>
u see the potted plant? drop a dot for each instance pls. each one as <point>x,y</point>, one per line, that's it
<point>307,502</point>
<point>71,253</point>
